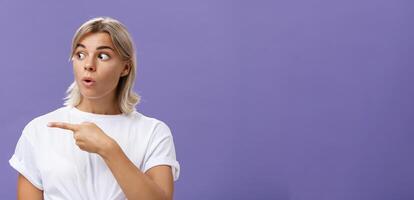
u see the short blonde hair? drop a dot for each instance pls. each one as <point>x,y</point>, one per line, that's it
<point>126,97</point>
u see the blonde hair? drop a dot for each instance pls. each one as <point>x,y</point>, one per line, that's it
<point>126,97</point>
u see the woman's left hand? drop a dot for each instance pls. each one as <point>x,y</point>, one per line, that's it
<point>88,136</point>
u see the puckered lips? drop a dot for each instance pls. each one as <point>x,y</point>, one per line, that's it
<point>88,81</point>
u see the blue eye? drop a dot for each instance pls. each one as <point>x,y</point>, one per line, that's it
<point>103,56</point>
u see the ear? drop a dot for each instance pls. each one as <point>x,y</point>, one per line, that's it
<point>125,72</point>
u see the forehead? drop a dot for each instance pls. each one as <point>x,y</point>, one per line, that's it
<point>95,40</point>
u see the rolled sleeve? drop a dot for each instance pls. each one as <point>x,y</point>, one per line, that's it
<point>161,150</point>
<point>24,161</point>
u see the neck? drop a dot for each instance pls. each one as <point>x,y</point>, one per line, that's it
<point>99,106</point>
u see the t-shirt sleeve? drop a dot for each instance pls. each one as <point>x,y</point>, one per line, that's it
<point>24,161</point>
<point>161,150</point>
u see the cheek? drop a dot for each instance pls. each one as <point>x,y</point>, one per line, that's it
<point>110,73</point>
<point>76,65</point>
<point>77,72</point>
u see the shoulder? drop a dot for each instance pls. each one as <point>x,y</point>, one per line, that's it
<point>151,123</point>
<point>37,125</point>
<point>41,121</point>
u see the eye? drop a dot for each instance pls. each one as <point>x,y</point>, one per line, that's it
<point>103,56</point>
<point>80,55</point>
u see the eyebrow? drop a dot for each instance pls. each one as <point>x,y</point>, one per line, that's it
<point>98,48</point>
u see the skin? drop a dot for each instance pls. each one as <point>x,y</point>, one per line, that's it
<point>106,67</point>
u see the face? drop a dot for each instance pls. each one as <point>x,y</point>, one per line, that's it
<point>97,66</point>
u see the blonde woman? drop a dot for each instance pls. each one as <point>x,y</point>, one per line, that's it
<point>97,146</point>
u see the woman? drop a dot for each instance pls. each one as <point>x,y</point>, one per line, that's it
<point>97,146</point>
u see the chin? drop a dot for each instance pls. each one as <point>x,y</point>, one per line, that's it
<point>91,95</point>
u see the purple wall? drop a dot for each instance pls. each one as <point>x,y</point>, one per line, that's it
<point>291,100</point>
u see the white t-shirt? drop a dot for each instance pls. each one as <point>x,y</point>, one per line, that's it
<point>51,161</point>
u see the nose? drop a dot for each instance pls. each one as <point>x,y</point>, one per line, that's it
<point>89,66</point>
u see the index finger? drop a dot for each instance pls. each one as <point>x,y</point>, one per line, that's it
<point>63,125</point>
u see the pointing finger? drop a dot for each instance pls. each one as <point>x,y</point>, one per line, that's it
<point>64,125</point>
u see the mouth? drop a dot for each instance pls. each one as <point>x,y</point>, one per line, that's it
<point>87,81</point>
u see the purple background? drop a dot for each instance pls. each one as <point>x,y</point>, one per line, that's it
<point>287,100</point>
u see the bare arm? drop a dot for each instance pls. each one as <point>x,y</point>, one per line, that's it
<point>156,184</point>
<point>26,190</point>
